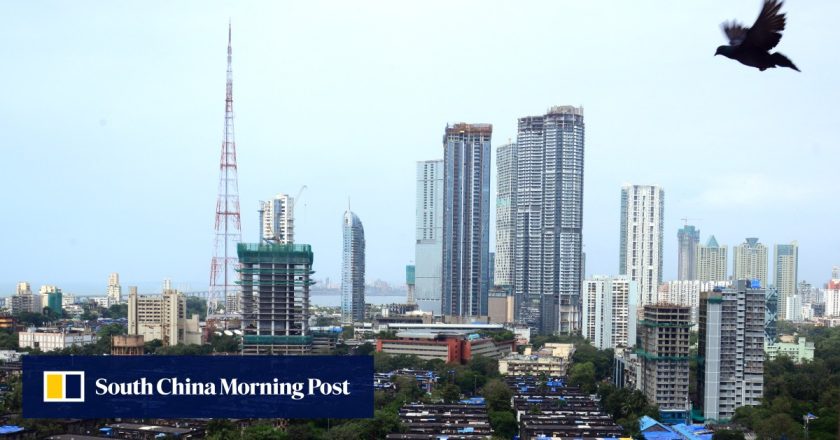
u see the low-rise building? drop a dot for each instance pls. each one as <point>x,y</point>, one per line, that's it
<point>553,360</point>
<point>440,421</point>
<point>449,346</point>
<point>49,339</point>
<point>127,345</point>
<point>797,349</point>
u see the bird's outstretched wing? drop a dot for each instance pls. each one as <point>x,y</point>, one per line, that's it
<point>735,32</point>
<point>766,32</point>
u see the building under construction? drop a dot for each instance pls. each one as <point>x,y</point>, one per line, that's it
<point>275,280</point>
<point>664,354</point>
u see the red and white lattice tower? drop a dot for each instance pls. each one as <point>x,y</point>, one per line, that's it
<point>223,276</point>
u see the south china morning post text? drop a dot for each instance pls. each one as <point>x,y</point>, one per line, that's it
<point>198,386</point>
<point>173,386</point>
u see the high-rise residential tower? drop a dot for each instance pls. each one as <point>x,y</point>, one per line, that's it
<point>466,219</point>
<point>786,267</point>
<point>642,221</point>
<point>731,342</point>
<point>505,214</point>
<point>353,270</point>
<point>275,297</point>
<point>711,261</point>
<point>428,248</point>
<point>114,288</point>
<point>609,308</point>
<point>687,239</point>
<point>278,219</point>
<point>749,261</point>
<point>549,220</point>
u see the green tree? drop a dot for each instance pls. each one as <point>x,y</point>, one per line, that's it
<point>503,423</point>
<point>450,393</point>
<point>8,340</point>
<point>727,434</point>
<point>365,349</point>
<point>497,395</point>
<point>263,432</point>
<point>197,306</point>
<point>583,375</point>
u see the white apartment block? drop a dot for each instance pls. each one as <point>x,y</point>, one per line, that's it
<point>609,311</point>
<point>49,339</point>
<point>278,219</point>
<point>687,293</point>
<point>162,317</point>
<point>506,173</point>
<point>642,222</point>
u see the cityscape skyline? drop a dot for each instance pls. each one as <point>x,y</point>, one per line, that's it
<point>93,241</point>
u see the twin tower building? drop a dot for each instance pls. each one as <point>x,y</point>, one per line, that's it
<point>539,220</point>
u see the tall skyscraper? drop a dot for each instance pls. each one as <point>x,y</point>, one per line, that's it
<point>428,248</point>
<point>786,267</point>
<point>832,298</point>
<point>353,270</point>
<point>687,239</point>
<point>505,214</point>
<point>278,219</point>
<point>275,297</point>
<point>711,261</point>
<point>609,310</point>
<point>114,288</point>
<point>549,220</point>
<point>664,354</point>
<point>731,341</point>
<point>466,219</point>
<point>749,261</point>
<point>642,221</point>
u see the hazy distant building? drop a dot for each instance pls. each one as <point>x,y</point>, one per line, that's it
<point>640,255</point>
<point>786,267</point>
<point>711,261</point>
<point>353,270</point>
<point>832,299</point>
<point>23,300</point>
<point>163,317</point>
<point>750,261</point>
<point>410,284</point>
<point>687,239</point>
<point>731,342</point>
<point>609,310</point>
<point>549,219</point>
<point>793,308</point>
<point>114,288</point>
<point>466,219</point>
<point>506,174</point>
<point>428,250</point>
<point>276,279</point>
<point>664,354</point>
<point>278,219</point>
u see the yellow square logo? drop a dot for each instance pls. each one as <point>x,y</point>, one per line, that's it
<point>64,386</point>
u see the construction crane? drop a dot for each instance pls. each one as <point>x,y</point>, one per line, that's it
<point>686,219</point>
<point>295,200</point>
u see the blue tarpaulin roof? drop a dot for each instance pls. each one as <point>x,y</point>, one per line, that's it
<point>10,429</point>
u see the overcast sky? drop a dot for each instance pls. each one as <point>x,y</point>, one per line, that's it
<point>112,119</point>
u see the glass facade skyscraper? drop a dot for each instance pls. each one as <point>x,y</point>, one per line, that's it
<point>549,220</point>
<point>687,239</point>
<point>466,219</point>
<point>353,269</point>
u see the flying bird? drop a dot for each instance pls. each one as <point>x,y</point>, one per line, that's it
<point>751,46</point>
